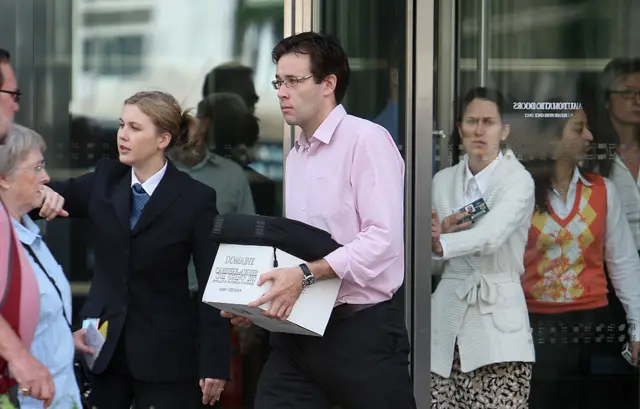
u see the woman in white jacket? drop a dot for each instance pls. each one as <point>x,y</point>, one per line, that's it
<point>481,344</point>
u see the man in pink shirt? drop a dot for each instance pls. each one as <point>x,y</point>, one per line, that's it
<point>19,293</point>
<point>346,176</point>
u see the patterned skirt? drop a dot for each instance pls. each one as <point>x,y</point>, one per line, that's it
<point>497,386</point>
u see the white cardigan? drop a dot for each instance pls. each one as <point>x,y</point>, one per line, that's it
<point>479,300</point>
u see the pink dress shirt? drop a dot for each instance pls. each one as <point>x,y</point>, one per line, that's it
<point>348,179</point>
<point>30,294</point>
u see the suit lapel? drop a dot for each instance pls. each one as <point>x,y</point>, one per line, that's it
<point>165,194</point>
<point>122,199</point>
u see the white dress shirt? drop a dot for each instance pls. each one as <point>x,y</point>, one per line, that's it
<point>476,185</point>
<point>152,183</point>
<point>629,189</point>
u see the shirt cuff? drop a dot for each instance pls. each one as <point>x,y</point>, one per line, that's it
<point>338,261</point>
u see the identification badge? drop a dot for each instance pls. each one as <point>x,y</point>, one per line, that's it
<point>95,340</point>
<point>91,321</point>
<point>475,210</point>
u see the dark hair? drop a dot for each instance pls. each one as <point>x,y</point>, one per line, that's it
<point>167,115</point>
<point>487,94</point>
<point>5,58</point>
<point>326,54</point>
<point>603,130</point>
<point>234,78</point>
<point>233,131</point>
<point>251,130</point>
<point>231,123</point>
<point>617,69</point>
<point>544,130</point>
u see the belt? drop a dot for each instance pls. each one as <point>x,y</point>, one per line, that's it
<point>343,311</point>
<point>481,289</point>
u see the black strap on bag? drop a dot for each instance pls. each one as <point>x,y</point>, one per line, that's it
<point>53,282</point>
<point>83,377</point>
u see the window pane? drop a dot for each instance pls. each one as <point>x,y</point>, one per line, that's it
<point>84,58</point>
<point>569,69</point>
<point>374,38</point>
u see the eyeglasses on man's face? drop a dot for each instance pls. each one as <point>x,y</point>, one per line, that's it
<point>289,82</point>
<point>15,95</point>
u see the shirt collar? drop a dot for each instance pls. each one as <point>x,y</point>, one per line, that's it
<point>577,175</point>
<point>152,183</point>
<point>482,178</point>
<point>28,232</point>
<point>327,128</point>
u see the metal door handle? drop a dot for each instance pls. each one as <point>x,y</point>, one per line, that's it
<point>438,134</point>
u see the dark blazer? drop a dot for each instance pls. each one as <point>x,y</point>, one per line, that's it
<point>140,282</point>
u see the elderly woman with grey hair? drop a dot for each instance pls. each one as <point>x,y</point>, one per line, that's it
<point>22,177</point>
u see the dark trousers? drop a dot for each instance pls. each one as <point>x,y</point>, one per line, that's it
<point>361,362</point>
<point>116,388</point>
<point>579,363</point>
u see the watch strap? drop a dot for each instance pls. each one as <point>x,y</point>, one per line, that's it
<point>308,277</point>
<point>305,270</point>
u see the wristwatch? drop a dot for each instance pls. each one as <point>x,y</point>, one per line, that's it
<point>308,278</point>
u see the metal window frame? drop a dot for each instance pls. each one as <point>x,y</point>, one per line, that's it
<point>298,17</point>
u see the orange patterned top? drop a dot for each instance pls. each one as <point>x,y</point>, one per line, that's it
<point>564,258</point>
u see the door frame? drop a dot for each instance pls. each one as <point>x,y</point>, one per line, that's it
<point>421,171</point>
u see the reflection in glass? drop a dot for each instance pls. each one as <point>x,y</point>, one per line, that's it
<point>374,38</point>
<point>542,56</point>
<point>107,59</point>
<point>78,60</point>
<point>482,350</point>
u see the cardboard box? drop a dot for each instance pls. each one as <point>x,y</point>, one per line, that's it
<point>233,282</point>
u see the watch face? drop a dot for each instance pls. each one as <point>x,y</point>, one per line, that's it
<point>308,281</point>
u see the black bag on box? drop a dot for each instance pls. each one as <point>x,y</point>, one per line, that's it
<point>294,237</point>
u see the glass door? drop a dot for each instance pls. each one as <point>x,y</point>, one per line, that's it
<point>558,51</point>
<point>391,63</point>
<point>374,37</point>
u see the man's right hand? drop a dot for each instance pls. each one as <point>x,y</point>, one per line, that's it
<point>33,378</point>
<point>237,320</point>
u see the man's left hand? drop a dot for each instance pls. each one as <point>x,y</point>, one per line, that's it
<point>211,390</point>
<point>287,287</point>
<point>52,204</point>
